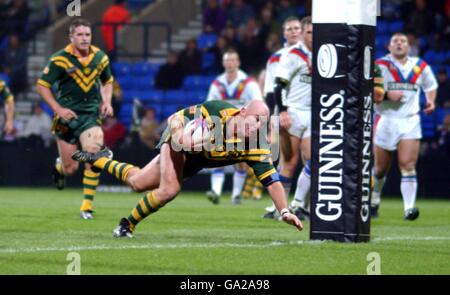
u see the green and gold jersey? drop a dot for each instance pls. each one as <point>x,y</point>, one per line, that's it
<point>77,82</point>
<point>378,81</point>
<point>259,158</point>
<point>5,94</point>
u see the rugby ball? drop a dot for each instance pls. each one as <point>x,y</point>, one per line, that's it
<point>195,132</point>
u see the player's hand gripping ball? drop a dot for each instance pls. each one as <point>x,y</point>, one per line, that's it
<point>195,135</point>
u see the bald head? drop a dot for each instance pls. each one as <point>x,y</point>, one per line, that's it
<point>250,119</point>
<point>256,108</point>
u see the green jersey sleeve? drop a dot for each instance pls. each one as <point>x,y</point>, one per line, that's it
<point>106,75</point>
<point>265,171</point>
<point>53,72</point>
<point>5,93</point>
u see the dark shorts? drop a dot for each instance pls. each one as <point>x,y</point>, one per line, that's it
<point>71,131</point>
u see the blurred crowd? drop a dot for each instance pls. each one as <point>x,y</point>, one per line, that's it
<point>253,28</point>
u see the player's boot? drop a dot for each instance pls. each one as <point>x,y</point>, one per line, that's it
<point>123,229</point>
<point>272,215</point>
<point>58,178</point>
<point>86,157</point>
<point>213,197</point>
<point>412,214</point>
<point>374,211</point>
<point>86,214</point>
<point>300,212</point>
<point>236,200</point>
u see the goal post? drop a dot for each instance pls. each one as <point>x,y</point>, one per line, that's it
<point>342,89</point>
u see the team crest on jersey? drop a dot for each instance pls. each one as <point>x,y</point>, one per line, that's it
<point>417,70</point>
<point>87,71</point>
<point>46,70</point>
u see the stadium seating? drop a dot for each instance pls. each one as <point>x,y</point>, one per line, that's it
<point>206,40</point>
<point>146,82</point>
<point>121,69</point>
<point>169,109</point>
<point>144,69</point>
<point>138,4</point>
<point>126,82</point>
<point>395,26</point>
<point>193,82</point>
<point>208,61</point>
<point>175,97</point>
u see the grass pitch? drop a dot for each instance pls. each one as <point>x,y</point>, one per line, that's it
<point>40,227</point>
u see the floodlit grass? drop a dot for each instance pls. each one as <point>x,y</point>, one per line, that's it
<point>39,227</point>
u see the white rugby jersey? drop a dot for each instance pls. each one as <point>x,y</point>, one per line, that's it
<point>295,67</point>
<point>271,66</point>
<point>241,91</point>
<point>409,78</point>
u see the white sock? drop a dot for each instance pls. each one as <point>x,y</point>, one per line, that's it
<point>408,187</point>
<point>303,187</point>
<point>377,188</point>
<point>217,180</point>
<point>238,182</point>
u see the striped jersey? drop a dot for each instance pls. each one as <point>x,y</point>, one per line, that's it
<point>259,157</point>
<point>77,82</point>
<point>410,77</point>
<point>295,67</point>
<point>271,67</point>
<point>239,92</point>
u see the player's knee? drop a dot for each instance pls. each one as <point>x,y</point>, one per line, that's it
<point>135,185</point>
<point>70,168</point>
<point>92,148</point>
<point>379,173</point>
<point>407,165</point>
<point>92,139</point>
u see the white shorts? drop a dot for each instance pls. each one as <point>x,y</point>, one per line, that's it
<point>389,131</point>
<point>301,123</point>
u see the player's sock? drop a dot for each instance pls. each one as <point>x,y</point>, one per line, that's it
<point>90,182</point>
<point>303,186</point>
<point>238,182</point>
<point>147,205</point>
<point>408,187</point>
<point>287,183</point>
<point>378,184</point>
<point>58,166</point>
<point>217,180</point>
<point>113,167</point>
<point>249,184</point>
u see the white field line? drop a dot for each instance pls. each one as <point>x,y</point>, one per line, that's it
<point>199,245</point>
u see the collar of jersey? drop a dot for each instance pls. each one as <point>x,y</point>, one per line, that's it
<point>92,51</point>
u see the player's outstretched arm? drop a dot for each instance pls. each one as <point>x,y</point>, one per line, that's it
<point>105,107</point>
<point>430,102</point>
<point>276,192</point>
